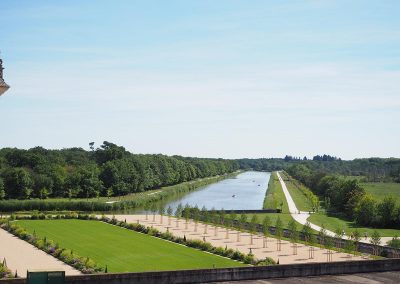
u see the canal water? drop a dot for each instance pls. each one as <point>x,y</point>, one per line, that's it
<point>246,191</point>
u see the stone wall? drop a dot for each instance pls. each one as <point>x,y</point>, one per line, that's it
<point>234,274</point>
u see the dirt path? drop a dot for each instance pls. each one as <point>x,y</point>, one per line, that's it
<point>22,256</point>
<point>221,237</point>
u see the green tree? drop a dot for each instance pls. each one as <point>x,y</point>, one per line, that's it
<point>322,235</point>
<point>241,223</point>
<point>43,193</point>
<point>386,211</point>
<point>266,227</point>
<point>109,192</point>
<point>146,209</point>
<point>17,183</point>
<point>206,219</point>
<point>216,220</point>
<point>292,226</point>
<point>169,213</point>
<point>161,211</point>
<point>233,215</point>
<point>154,211</point>
<point>376,241</point>
<point>356,237</point>
<point>253,226</point>
<point>339,233</point>
<point>307,231</point>
<point>196,217</point>
<point>222,215</point>
<point>2,191</point>
<point>366,210</point>
<point>186,215</point>
<point>178,213</point>
<point>279,232</point>
<point>329,246</point>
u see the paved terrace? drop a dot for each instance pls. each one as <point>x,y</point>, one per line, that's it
<point>221,237</point>
<point>22,256</point>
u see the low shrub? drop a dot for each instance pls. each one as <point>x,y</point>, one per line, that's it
<point>4,271</point>
<point>266,261</point>
<point>394,243</point>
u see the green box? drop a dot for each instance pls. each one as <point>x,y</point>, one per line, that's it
<point>45,277</point>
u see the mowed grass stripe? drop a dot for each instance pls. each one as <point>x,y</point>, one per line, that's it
<point>123,250</point>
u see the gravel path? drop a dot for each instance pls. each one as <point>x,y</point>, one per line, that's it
<point>22,256</point>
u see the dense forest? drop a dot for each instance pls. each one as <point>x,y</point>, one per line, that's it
<point>108,170</point>
<point>371,169</point>
<point>345,196</point>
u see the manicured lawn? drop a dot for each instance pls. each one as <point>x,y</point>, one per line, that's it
<point>331,223</point>
<point>381,189</point>
<point>275,195</point>
<point>123,250</point>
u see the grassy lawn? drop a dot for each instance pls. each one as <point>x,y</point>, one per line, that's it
<point>275,195</point>
<point>381,189</point>
<point>123,250</point>
<point>295,190</point>
<point>332,223</point>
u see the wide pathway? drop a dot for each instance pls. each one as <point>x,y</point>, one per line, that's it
<point>22,256</point>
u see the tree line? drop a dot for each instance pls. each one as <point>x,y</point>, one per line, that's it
<point>109,170</point>
<point>346,196</point>
<point>370,169</point>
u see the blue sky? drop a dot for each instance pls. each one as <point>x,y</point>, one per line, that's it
<point>203,78</point>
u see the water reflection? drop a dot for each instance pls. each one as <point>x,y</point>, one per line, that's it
<point>246,191</point>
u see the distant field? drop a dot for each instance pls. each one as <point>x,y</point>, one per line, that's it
<point>123,250</point>
<point>381,189</point>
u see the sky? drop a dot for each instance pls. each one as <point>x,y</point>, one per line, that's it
<point>227,79</point>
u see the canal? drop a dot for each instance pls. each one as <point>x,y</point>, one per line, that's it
<point>246,191</point>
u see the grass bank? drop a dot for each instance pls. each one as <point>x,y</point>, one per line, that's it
<point>275,198</point>
<point>122,250</point>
